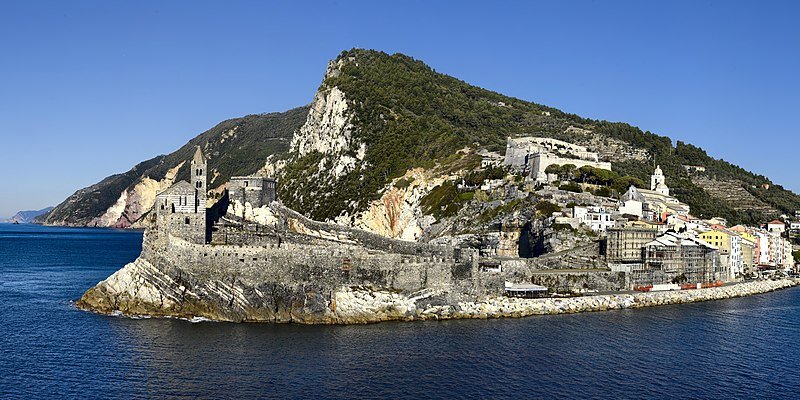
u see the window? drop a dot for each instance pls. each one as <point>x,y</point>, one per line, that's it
<point>199,184</point>
<point>199,172</point>
<point>186,221</point>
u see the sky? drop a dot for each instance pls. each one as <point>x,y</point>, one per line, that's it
<point>90,88</point>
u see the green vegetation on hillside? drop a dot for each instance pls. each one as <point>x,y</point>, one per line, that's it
<point>89,203</point>
<point>409,115</point>
<point>238,146</point>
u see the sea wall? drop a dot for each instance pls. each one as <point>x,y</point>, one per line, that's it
<point>290,282</point>
<point>500,307</point>
<point>308,284</point>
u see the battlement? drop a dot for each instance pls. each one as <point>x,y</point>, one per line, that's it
<point>256,190</point>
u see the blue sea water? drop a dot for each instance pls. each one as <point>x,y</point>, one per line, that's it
<point>739,348</point>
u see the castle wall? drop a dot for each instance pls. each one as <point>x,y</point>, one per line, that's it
<point>325,268</point>
<point>191,226</point>
<point>256,190</point>
<point>540,162</point>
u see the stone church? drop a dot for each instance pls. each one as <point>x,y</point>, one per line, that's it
<point>181,209</point>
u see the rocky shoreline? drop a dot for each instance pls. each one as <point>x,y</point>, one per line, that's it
<point>514,308</point>
<point>363,305</point>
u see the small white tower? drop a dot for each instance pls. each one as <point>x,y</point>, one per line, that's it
<point>658,182</point>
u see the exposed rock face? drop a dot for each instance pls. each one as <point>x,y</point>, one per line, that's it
<point>397,214</point>
<point>135,201</point>
<point>85,206</point>
<point>239,146</point>
<point>328,130</point>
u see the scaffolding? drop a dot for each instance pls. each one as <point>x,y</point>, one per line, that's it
<point>675,259</point>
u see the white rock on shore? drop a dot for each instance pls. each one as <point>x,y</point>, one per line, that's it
<point>501,307</point>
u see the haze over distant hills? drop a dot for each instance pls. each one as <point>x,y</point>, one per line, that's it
<point>25,217</point>
<point>376,117</point>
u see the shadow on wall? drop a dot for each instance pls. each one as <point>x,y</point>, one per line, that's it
<point>215,212</point>
<point>524,245</point>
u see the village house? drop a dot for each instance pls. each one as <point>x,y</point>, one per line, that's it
<point>729,244</point>
<point>596,217</point>
<point>776,226</point>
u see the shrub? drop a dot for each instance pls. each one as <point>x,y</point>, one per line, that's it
<point>571,187</point>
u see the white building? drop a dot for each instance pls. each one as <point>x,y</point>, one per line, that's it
<point>652,204</point>
<point>763,256</point>
<point>658,182</point>
<point>788,257</point>
<point>776,226</point>
<point>736,264</point>
<point>595,217</point>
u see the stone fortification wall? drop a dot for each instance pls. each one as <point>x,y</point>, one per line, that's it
<point>191,226</point>
<point>288,221</point>
<point>332,265</point>
<point>540,162</point>
<point>165,284</point>
<point>291,282</point>
<point>256,190</point>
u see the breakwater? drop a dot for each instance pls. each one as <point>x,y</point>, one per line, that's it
<point>513,307</point>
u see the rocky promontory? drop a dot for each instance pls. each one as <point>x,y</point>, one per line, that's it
<point>165,289</point>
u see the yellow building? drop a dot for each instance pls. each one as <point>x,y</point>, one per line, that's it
<point>719,239</point>
<point>729,244</point>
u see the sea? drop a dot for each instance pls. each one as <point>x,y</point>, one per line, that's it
<point>730,349</point>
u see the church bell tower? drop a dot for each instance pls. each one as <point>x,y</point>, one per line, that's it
<point>199,173</point>
<point>658,182</point>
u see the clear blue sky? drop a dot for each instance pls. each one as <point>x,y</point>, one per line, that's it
<point>90,88</point>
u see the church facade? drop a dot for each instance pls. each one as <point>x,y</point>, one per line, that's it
<point>654,204</point>
<point>181,208</point>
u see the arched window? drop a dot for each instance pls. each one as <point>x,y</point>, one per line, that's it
<point>199,185</point>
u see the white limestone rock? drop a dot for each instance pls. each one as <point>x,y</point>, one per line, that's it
<point>135,202</point>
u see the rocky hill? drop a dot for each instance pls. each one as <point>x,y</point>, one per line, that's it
<point>239,146</point>
<point>26,217</point>
<point>385,140</point>
<point>380,119</point>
